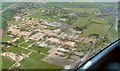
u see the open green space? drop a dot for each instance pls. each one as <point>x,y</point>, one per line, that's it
<point>19,41</point>
<point>81,10</point>
<point>112,34</point>
<point>99,20</point>
<point>6,63</point>
<point>96,29</point>
<point>6,37</point>
<point>17,50</point>
<point>82,21</point>
<point>41,16</point>
<point>26,44</point>
<point>35,61</point>
<point>41,49</point>
<point>83,46</point>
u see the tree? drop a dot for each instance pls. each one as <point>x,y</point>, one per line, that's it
<point>4,25</point>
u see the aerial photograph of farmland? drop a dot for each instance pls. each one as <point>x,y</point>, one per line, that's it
<point>52,35</point>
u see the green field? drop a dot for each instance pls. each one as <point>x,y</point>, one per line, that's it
<point>40,16</point>
<point>83,46</point>
<point>41,49</point>
<point>99,20</point>
<point>112,34</point>
<point>82,10</point>
<point>81,22</point>
<point>35,61</point>
<point>26,44</point>
<point>17,50</point>
<point>19,41</point>
<point>6,63</point>
<point>97,29</point>
<point>6,37</point>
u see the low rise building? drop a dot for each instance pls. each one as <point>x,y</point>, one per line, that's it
<point>62,50</point>
<point>49,32</point>
<point>54,40</point>
<point>37,36</point>
<point>15,29</point>
<point>41,44</point>
<point>69,43</point>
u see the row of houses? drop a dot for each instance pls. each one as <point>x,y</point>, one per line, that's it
<point>16,30</point>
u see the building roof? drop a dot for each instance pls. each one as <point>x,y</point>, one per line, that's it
<point>69,43</point>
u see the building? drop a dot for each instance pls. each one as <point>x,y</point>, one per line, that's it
<point>15,29</point>
<point>41,44</point>
<point>54,40</point>
<point>37,36</point>
<point>62,50</point>
<point>69,43</point>
<point>49,32</point>
<point>54,24</point>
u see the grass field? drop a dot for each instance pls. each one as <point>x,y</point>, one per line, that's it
<point>19,41</point>
<point>99,20</point>
<point>82,10</point>
<point>17,50</point>
<point>35,61</point>
<point>6,63</point>
<point>6,37</point>
<point>83,46</point>
<point>40,16</point>
<point>82,21</point>
<point>26,44</point>
<point>97,29</point>
<point>41,49</point>
<point>112,34</point>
